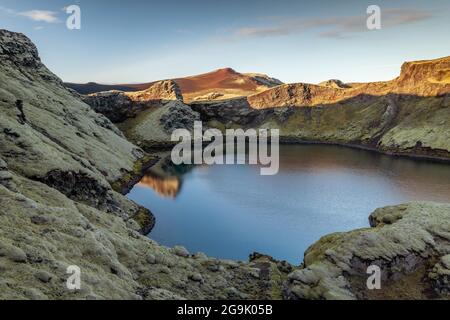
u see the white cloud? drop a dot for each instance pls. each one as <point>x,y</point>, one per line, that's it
<point>41,16</point>
<point>335,27</point>
<point>35,15</point>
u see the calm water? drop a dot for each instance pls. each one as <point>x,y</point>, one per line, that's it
<point>229,211</point>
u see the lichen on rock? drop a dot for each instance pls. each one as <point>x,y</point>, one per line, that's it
<point>404,243</point>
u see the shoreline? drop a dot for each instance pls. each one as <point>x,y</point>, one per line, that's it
<point>124,184</point>
<point>128,180</point>
<point>414,156</point>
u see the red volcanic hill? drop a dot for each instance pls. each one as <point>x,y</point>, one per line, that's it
<point>219,84</point>
<point>223,84</point>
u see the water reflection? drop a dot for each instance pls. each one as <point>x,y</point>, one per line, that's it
<point>165,177</point>
<point>168,187</point>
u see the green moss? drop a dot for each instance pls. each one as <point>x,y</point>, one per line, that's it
<point>276,280</point>
<point>129,178</point>
<point>145,219</point>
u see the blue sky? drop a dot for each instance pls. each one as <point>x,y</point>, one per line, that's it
<point>295,41</point>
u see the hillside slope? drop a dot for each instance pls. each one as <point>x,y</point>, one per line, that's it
<point>49,135</point>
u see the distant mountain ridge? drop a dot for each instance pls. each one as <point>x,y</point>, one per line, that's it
<point>93,87</point>
<point>219,84</point>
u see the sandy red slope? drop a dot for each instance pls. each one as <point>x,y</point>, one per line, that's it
<point>220,79</point>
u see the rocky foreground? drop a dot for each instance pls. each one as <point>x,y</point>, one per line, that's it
<point>64,167</point>
<point>410,243</point>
